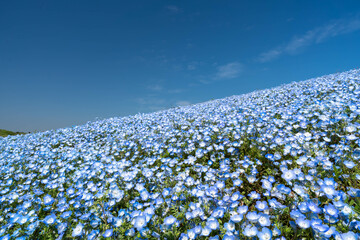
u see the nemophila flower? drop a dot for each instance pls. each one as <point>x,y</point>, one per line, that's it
<point>220,184</point>
<point>183,236</point>
<point>85,216</point>
<point>48,200</point>
<point>303,223</point>
<point>264,220</point>
<point>349,236</point>
<point>276,231</point>
<point>61,227</point>
<point>328,190</point>
<point>349,164</point>
<point>216,237</point>
<point>191,233</point>
<point>288,175</point>
<point>237,182</point>
<point>320,228</point>
<point>313,207</point>
<point>283,189</point>
<point>93,234</point>
<point>50,219</point>
<point>32,227</point>
<point>229,226</point>
<point>254,195</point>
<point>21,238</point>
<point>261,205</point>
<point>250,231</point>
<point>198,229</point>
<point>212,223</point>
<point>6,237</point>
<point>236,196</point>
<point>78,230</point>
<point>251,178</point>
<point>265,234</point>
<point>303,207</point>
<point>218,213</point>
<point>205,231</point>
<point>347,210</point>
<point>65,215</point>
<point>130,232</point>
<point>242,209</point>
<point>355,225</point>
<point>188,215</point>
<point>108,233</point>
<point>331,210</point>
<point>170,220</point>
<point>252,216</point>
<point>228,236</point>
<point>22,220</point>
<point>266,184</point>
<point>70,191</point>
<point>140,222</point>
<point>236,218</point>
<point>16,233</point>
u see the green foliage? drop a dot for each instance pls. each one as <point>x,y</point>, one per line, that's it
<point>5,133</point>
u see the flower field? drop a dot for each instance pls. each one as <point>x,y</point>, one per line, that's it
<point>280,163</point>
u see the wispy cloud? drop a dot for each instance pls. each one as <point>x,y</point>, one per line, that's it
<point>151,103</point>
<point>314,36</point>
<point>228,71</point>
<point>155,87</point>
<point>183,103</point>
<point>173,9</point>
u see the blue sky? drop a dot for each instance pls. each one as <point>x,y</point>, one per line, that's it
<point>64,63</point>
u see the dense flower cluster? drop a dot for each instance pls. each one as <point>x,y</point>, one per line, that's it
<point>281,163</point>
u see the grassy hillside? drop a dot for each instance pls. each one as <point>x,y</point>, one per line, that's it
<point>281,163</point>
<point>4,133</point>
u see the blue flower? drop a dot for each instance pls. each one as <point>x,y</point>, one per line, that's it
<point>78,230</point>
<point>49,220</point>
<point>108,233</point>
<point>250,231</point>
<point>92,235</point>
<point>303,223</point>
<point>254,195</point>
<point>242,209</point>
<point>236,218</point>
<point>313,207</point>
<point>170,220</point>
<point>288,175</point>
<point>331,210</point>
<point>212,223</point>
<point>349,236</point>
<point>264,220</point>
<point>328,190</point>
<point>206,231</point>
<point>67,214</point>
<point>230,226</point>
<point>228,236</point>
<point>140,222</point>
<point>261,205</point>
<point>48,200</point>
<point>265,234</point>
<point>6,237</point>
<point>252,216</point>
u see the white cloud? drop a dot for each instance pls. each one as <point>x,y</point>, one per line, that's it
<point>173,9</point>
<point>230,70</point>
<point>192,66</point>
<point>155,87</point>
<point>183,103</point>
<point>311,37</point>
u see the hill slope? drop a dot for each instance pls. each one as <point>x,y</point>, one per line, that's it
<point>4,133</point>
<point>278,162</point>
